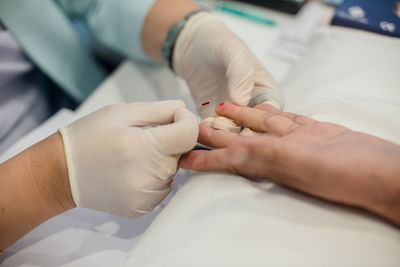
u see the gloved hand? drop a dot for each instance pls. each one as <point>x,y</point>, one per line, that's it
<point>218,66</point>
<point>118,167</point>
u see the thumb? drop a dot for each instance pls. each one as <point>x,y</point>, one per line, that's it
<point>240,76</point>
<point>245,73</point>
<point>178,137</point>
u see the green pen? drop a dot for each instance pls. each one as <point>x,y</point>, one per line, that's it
<point>246,13</point>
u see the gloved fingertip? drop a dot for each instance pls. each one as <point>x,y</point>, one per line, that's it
<point>248,132</point>
<point>183,115</point>
<point>241,102</point>
<point>181,135</point>
<point>177,102</point>
<point>241,96</point>
<point>208,121</point>
<point>223,123</point>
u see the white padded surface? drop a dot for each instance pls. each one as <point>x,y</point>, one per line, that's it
<point>227,220</point>
<point>348,77</point>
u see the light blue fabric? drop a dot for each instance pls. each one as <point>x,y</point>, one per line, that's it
<point>43,30</point>
<point>23,104</point>
<point>115,25</point>
<point>48,38</point>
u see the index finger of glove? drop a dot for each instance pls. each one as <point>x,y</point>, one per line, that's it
<point>179,136</point>
<point>152,113</point>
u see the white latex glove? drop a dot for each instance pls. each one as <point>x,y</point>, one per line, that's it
<point>218,66</point>
<point>118,167</point>
<point>226,124</point>
<point>223,123</point>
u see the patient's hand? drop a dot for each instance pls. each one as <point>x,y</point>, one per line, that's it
<point>322,159</point>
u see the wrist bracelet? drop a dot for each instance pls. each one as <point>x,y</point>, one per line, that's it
<point>173,33</point>
<point>264,95</point>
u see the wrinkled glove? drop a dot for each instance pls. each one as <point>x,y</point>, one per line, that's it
<point>118,167</point>
<point>218,66</point>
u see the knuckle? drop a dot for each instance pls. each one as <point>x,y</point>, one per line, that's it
<point>297,118</point>
<point>266,120</point>
<point>289,115</point>
<point>126,146</point>
<point>239,154</point>
<point>241,113</point>
<point>289,129</point>
<point>179,103</point>
<point>274,154</point>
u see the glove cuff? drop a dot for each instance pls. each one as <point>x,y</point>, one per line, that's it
<point>172,35</point>
<point>70,165</point>
<point>183,40</point>
<point>267,95</point>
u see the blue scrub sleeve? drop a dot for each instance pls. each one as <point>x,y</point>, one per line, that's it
<point>113,24</point>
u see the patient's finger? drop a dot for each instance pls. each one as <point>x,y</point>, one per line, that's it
<point>267,108</point>
<point>257,119</point>
<point>299,119</point>
<point>215,138</point>
<point>255,156</point>
<point>206,160</point>
<point>261,156</point>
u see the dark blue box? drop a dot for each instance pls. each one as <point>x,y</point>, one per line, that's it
<point>380,16</point>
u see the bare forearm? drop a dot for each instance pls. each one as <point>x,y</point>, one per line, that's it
<point>160,18</point>
<point>34,187</point>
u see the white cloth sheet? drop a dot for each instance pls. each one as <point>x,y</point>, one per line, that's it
<point>226,220</point>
